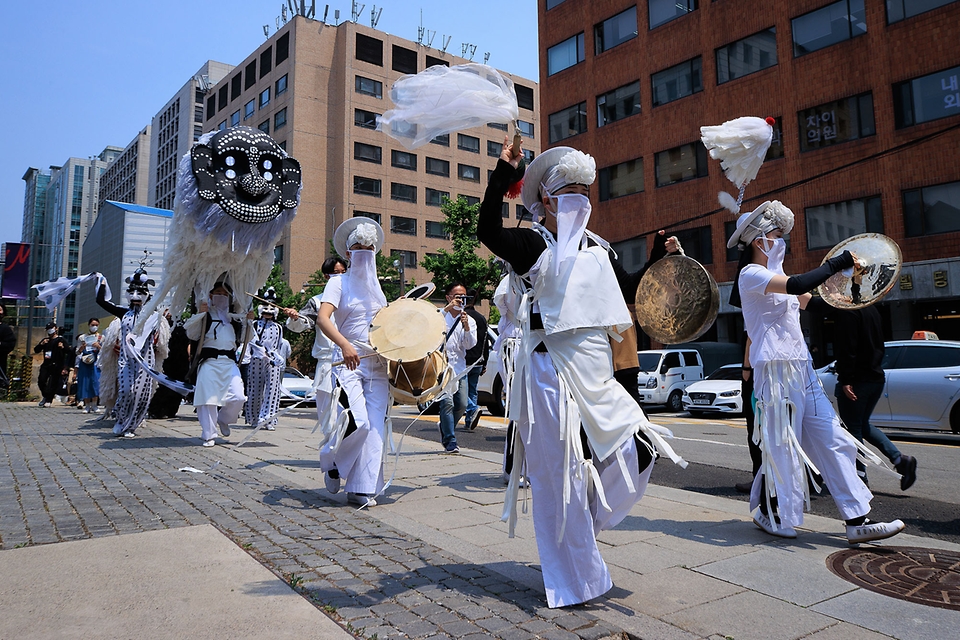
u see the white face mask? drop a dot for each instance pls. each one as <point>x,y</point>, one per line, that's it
<point>220,303</point>
<point>363,276</point>
<point>135,297</point>
<point>50,332</point>
<point>94,328</point>
<point>775,249</point>
<point>573,213</point>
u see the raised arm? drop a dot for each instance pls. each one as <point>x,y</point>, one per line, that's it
<point>106,305</point>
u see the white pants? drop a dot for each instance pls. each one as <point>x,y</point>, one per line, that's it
<point>229,412</point>
<point>359,456</point>
<point>830,448</point>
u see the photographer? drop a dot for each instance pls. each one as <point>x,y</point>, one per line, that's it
<point>461,335</point>
<point>54,367</point>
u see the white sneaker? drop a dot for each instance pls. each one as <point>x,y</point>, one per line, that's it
<point>210,443</point>
<point>332,484</point>
<point>270,427</point>
<point>869,531</point>
<point>781,531</point>
<point>361,499</point>
<point>224,429</point>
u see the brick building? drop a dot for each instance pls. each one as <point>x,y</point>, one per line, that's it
<point>865,93</point>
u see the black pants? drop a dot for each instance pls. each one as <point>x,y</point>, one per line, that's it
<point>49,381</point>
<point>746,397</point>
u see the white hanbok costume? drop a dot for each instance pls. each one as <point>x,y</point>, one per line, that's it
<point>323,351</point>
<point>218,378</point>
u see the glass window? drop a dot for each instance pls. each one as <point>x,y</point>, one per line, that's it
<point>497,125</point>
<point>830,223</point>
<point>470,200</point>
<point>697,243</point>
<point>438,167</point>
<point>670,361</point>
<point>434,197</point>
<point>927,98</point>
<point>403,193</point>
<point>367,152</point>
<point>828,25</point>
<point>248,109</point>
<point>279,119</point>
<point>618,104</point>
<point>403,129</point>
<point>621,179</point>
<point>776,145</point>
<point>404,60</point>
<point>406,226</point>
<point>616,30</point>
<point>524,96</point>
<point>250,74</point>
<point>932,210</point>
<point>494,149</point>
<point>733,254</point>
<point>505,210</point>
<point>835,122</point>
<point>663,11</point>
<point>686,162</point>
<point>898,10</point>
<point>223,125</point>
<point>235,118</point>
<point>553,3</point>
<point>369,87</point>
<point>526,129</point>
<point>522,213</point>
<point>468,143</point>
<point>403,160</point>
<point>743,57</point>
<point>677,82</point>
<point>443,140</point>
<point>468,172</point>
<point>408,258</point>
<point>435,230</point>
<point>366,214</point>
<point>211,106</point>
<point>369,50</point>
<point>236,87</point>
<point>283,47</point>
<point>366,186</point>
<point>265,97</point>
<point>266,61</point>
<point>528,155</point>
<point>222,98</point>
<point>632,253</point>
<point>365,119</point>
<point>435,62</point>
<point>568,122</point>
<point>281,85</point>
<point>565,55</point>
<point>922,356</point>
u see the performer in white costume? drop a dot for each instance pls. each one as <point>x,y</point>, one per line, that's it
<point>566,299</point>
<point>267,362</point>
<point>347,307</point>
<point>797,426</point>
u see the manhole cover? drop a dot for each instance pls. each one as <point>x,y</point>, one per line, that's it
<point>924,576</point>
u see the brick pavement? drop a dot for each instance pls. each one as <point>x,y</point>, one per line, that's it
<point>65,477</point>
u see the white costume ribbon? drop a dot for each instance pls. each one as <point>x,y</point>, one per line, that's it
<point>52,292</point>
<point>573,214</point>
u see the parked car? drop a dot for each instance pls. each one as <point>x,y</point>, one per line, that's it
<point>922,390</point>
<point>490,387</point>
<point>296,383</point>
<point>719,392</point>
<point>665,373</point>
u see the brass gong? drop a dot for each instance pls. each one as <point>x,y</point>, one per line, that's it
<point>879,269</point>
<point>677,300</point>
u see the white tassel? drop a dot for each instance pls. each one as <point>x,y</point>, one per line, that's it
<point>728,202</point>
<point>740,145</point>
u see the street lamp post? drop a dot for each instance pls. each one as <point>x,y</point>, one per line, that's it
<point>398,265</point>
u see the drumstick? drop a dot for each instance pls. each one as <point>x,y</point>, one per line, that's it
<point>367,355</point>
<point>284,309</point>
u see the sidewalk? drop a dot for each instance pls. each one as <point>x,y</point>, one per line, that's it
<point>433,559</point>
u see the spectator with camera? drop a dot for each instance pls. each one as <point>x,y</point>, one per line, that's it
<point>461,335</point>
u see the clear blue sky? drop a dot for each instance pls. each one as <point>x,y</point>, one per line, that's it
<point>78,76</point>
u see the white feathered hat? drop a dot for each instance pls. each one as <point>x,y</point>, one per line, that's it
<point>373,235</point>
<point>740,145</point>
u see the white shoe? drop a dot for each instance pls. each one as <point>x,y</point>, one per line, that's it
<point>781,531</point>
<point>224,429</point>
<point>332,484</point>
<point>209,443</point>
<point>270,427</point>
<point>869,531</point>
<point>361,499</point>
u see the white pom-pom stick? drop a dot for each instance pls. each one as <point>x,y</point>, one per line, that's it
<point>728,202</point>
<point>740,145</point>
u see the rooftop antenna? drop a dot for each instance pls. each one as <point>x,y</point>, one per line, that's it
<point>336,17</point>
<point>326,9</point>
<point>283,13</point>
<point>446,42</point>
<point>486,57</point>
<point>375,16</point>
<point>355,12</point>
<point>311,13</point>
<point>430,36</point>
<point>266,30</point>
<point>465,47</point>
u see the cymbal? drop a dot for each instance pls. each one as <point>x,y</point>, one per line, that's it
<point>881,260</point>
<point>677,300</point>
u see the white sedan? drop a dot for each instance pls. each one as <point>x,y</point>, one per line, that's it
<point>718,392</point>
<point>297,384</point>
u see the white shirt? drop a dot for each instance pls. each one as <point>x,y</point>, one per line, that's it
<point>459,342</point>
<point>772,319</point>
<point>353,322</point>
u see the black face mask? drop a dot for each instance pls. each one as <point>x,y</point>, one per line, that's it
<point>247,173</point>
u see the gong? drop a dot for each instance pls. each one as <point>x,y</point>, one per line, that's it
<point>677,300</point>
<point>878,267</point>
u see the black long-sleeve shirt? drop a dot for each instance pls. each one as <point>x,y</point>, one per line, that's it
<point>858,343</point>
<point>108,306</point>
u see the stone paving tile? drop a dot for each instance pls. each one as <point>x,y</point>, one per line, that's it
<point>62,478</point>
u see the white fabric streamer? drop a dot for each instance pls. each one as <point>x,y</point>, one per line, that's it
<point>740,145</point>
<point>52,292</point>
<point>442,99</point>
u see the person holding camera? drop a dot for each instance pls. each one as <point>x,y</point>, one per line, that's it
<point>54,366</point>
<point>461,336</point>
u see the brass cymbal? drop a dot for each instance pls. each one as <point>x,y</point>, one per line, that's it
<point>677,300</point>
<point>881,261</point>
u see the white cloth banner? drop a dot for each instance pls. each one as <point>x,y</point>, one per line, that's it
<point>52,292</point>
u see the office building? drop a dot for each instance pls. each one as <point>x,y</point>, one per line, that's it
<point>125,180</point>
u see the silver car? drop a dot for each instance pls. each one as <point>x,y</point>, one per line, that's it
<point>922,389</point>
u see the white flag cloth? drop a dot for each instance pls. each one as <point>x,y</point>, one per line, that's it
<point>740,145</point>
<point>52,292</point>
<point>442,99</point>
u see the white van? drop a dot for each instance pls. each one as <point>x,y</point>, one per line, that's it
<point>665,373</point>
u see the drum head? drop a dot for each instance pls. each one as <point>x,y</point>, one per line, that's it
<point>881,259</point>
<point>421,291</point>
<point>407,329</point>
<point>677,300</point>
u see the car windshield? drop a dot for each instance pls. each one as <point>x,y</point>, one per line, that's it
<point>293,373</point>
<point>649,361</point>
<point>725,373</point>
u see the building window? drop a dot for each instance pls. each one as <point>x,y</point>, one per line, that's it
<point>407,258</point>
<point>366,186</point>
<point>222,126</point>
<point>565,55</point>
<point>835,122</point>
<point>621,179</point>
<point>528,155</point>
<point>211,106</point>
<point>366,214</point>
<point>632,253</point>
<point>776,144</point>
<point>618,104</point>
<point>265,97</point>
<point>404,60</point>
<point>435,197</point>
<point>235,118</point>
<point>443,140</point>
<point>278,254</point>
<point>505,210</point>
<point>403,160</point>
<point>494,149</point>
<point>524,96</point>
<point>568,123</point>
<point>743,57</point>
<point>369,50</point>
<point>828,25</point>
<point>365,119</point>
<point>898,10</point>
<point>470,200</point>
<point>616,30</point>
<point>283,47</point>
<point>697,243</point>
<point>679,81</point>
<point>435,230</point>
<point>438,167</point>
<point>283,144</point>
<point>526,129</point>
<point>236,87</point>
<point>497,125</point>
<point>248,109</point>
<point>266,61</point>
<point>686,162</point>
<point>830,223</point>
<point>250,75</point>
<point>522,213</point>
<point>927,98</point>
<point>553,3</point>
<point>369,87</point>
<point>406,226</point>
<point>403,193</point>
<point>468,172</point>
<point>222,98</point>
<point>281,85</point>
<point>733,254</point>
<point>932,210</point>
<point>663,11</point>
<point>468,143</point>
<point>436,62</point>
<point>367,152</point>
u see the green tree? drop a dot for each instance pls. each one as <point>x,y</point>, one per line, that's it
<point>462,264</point>
<point>301,344</point>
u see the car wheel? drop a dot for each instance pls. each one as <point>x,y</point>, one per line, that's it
<point>955,418</point>
<point>675,402</point>
<point>497,406</point>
